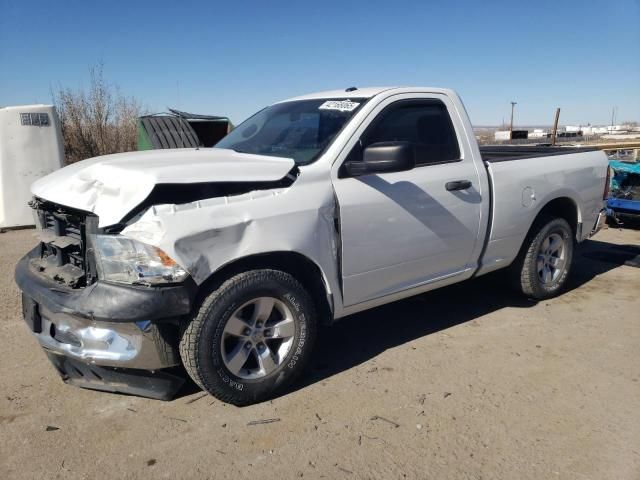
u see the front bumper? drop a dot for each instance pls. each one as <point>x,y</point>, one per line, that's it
<point>106,336</point>
<point>140,345</point>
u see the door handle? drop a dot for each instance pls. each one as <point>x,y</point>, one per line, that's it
<point>457,185</point>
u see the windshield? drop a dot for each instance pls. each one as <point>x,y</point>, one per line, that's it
<point>300,129</point>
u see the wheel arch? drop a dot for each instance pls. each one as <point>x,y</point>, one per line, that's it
<point>561,207</point>
<point>301,267</point>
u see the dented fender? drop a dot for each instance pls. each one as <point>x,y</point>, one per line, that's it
<point>206,235</point>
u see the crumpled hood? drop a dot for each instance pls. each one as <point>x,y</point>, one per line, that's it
<point>113,185</point>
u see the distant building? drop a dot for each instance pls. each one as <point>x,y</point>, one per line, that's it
<point>572,130</point>
<point>506,135</point>
<point>617,129</point>
<point>539,133</point>
<point>570,134</point>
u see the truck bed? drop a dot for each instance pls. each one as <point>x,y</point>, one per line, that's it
<point>519,189</point>
<point>503,153</point>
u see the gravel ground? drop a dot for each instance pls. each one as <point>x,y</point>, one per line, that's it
<point>470,381</point>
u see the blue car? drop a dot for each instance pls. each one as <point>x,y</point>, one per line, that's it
<point>624,193</point>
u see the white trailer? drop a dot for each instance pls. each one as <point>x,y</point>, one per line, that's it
<point>30,148</point>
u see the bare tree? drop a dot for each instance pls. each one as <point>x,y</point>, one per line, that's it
<point>97,122</point>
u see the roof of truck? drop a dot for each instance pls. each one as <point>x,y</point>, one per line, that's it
<point>365,92</point>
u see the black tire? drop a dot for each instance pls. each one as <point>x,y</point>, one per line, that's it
<point>201,346</point>
<point>525,273</point>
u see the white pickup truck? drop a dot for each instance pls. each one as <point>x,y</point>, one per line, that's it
<point>225,260</point>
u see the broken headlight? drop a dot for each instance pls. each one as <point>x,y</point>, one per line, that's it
<point>122,260</point>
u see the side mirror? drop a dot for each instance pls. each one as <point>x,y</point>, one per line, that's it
<point>383,157</point>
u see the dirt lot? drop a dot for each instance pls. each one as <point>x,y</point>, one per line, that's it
<point>466,382</point>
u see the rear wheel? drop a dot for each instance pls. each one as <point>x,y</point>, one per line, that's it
<point>251,337</point>
<point>544,264</point>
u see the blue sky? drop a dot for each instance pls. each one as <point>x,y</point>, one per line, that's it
<point>233,58</point>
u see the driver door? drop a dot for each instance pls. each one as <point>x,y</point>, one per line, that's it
<point>403,230</point>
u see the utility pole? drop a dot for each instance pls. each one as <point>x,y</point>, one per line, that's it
<point>513,104</point>
<point>554,132</point>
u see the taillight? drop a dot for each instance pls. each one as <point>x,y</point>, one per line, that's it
<point>605,195</point>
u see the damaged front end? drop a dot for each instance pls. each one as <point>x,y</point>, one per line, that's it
<point>624,196</point>
<point>98,334</point>
<point>127,240</point>
<point>106,306</point>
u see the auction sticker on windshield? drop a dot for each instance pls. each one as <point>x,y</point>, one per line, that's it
<point>340,105</point>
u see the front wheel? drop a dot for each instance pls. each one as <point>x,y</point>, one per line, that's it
<point>543,266</point>
<point>251,337</point>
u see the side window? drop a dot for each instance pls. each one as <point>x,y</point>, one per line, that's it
<point>426,124</point>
